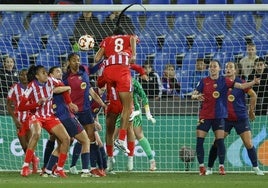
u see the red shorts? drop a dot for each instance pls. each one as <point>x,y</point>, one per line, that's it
<point>114,107</point>
<point>47,123</point>
<point>119,76</point>
<point>24,128</point>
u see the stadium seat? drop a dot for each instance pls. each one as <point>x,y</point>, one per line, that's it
<point>261,43</point>
<point>157,25</point>
<point>47,59</point>
<point>264,26</point>
<point>102,2</point>
<point>160,60</point>
<point>101,15</point>
<point>67,23</point>
<point>12,24</point>
<point>29,44</point>
<point>264,1</point>
<point>6,46</point>
<point>41,24</point>
<point>59,44</point>
<point>244,1</point>
<point>148,43</point>
<point>233,45</point>
<point>22,60</point>
<point>131,1</point>
<point>159,1</point>
<point>244,24</point>
<point>214,25</point>
<point>185,24</point>
<point>216,1</point>
<point>223,57</point>
<point>189,60</point>
<point>205,45</point>
<point>187,1</point>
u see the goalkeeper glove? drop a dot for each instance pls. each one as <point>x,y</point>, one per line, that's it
<point>150,118</point>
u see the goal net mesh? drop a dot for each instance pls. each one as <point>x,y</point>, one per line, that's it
<point>166,36</point>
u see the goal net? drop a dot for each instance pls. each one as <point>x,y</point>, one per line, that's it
<point>177,35</point>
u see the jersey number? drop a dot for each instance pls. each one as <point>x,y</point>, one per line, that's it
<point>118,45</point>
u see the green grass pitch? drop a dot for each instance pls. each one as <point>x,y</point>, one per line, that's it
<point>137,180</point>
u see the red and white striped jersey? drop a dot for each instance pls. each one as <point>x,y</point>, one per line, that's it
<point>117,49</point>
<point>36,91</point>
<point>14,94</point>
<point>118,59</point>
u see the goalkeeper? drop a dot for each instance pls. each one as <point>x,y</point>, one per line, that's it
<point>138,94</point>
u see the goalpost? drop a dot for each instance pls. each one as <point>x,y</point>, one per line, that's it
<point>169,34</point>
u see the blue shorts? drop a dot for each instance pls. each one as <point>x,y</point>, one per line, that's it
<point>240,126</point>
<point>73,126</point>
<point>85,117</point>
<point>206,124</point>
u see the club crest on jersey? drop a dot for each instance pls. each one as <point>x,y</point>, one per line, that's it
<point>231,98</point>
<point>54,106</point>
<point>215,85</point>
<point>83,85</point>
<point>216,94</point>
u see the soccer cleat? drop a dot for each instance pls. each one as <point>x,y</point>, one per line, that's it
<point>73,170</point>
<point>60,173</point>
<point>133,115</point>
<point>120,145</point>
<point>202,170</point>
<point>46,175</point>
<point>25,171</point>
<point>258,171</point>
<point>102,171</point>
<point>86,175</point>
<point>35,163</point>
<point>221,170</point>
<point>95,173</point>
<point>110,164</point>
<point>209,171</point>
<point>152,165</point>
<point>130,163</point>
<point>42,171</point>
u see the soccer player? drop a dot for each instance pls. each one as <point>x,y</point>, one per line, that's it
<point>238,118</point>
<point>212,92</point>
<point>100,156</point>
<point>77,77</point>
<point>21,118</point>
<point>138,94</point>
<point>72,125</point>
<point>119,51</point>
<point>37,99</point>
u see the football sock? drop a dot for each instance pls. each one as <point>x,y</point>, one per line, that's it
<point>29,155</point>
<point>200,149</point>
<point>104,157</point>
<point>131,147</point>
<point>221,150</point>
<point>48,150</point>
<point>61,160</point>
<point>212,155</point>
<point>85,160</point>
<point>122,134</point>
<point>110,150</point>
<point>51,162</point>
<point>76,153</point>
<point>146,147</point>
<point>95,156</point>
<point>253,156</point>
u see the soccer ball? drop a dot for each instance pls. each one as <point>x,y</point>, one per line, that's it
<point>86,42</point>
